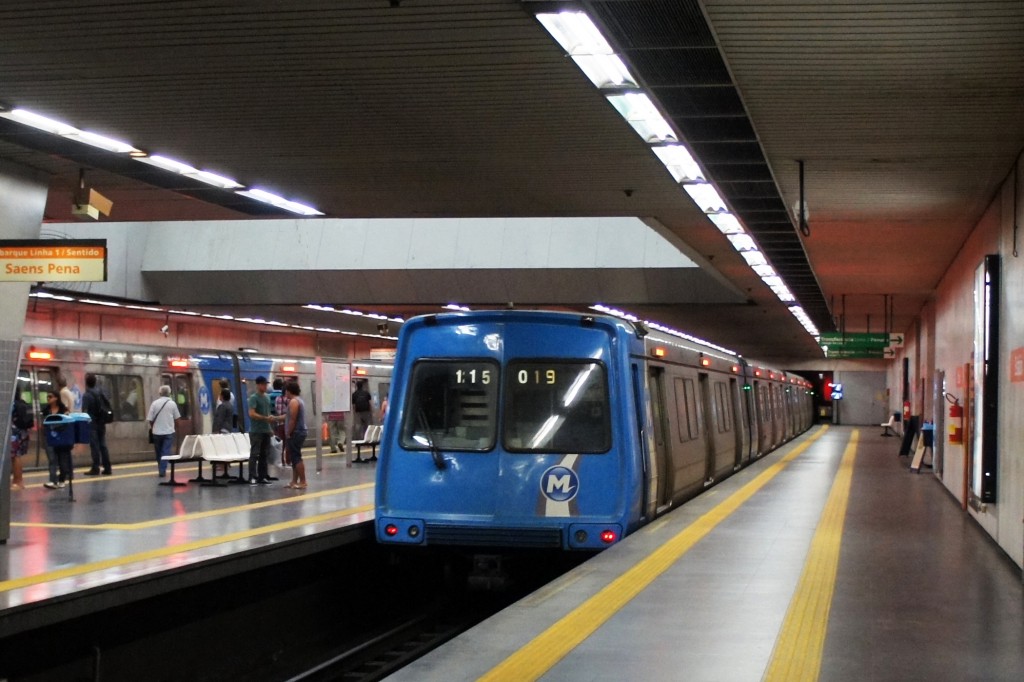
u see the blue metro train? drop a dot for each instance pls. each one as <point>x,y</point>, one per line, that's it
<point>519,429</point>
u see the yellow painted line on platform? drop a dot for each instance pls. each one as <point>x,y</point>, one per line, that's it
<point>797,653</point>
<point>82,569</point>
<point>542,653</point>
<point>167,520</point>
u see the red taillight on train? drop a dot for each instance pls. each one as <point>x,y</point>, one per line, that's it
<point>609,536</point>
<point>391,530</point>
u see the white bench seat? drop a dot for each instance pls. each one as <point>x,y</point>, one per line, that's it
<point>188,452</point>
<point>370,439</point>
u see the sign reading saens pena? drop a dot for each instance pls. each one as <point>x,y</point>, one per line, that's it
<point>53,260</point>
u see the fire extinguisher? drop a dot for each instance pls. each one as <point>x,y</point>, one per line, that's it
<point>956,433</point>
<point>906,411</point>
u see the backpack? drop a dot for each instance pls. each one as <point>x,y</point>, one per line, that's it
<point>106,411</point>
<point>99,408</point>
<point>20,416</point>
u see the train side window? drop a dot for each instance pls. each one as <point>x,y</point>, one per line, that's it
<point>129,401</point>
<point>452,405</point>
<point>181,392</point>
<point>724,408</point>
<point>686,404</point>
<point>556,406</point>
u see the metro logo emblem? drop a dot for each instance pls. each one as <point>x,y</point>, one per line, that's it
<point>559,484</point>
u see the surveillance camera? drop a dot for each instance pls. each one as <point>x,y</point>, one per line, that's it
<point>165,329</point>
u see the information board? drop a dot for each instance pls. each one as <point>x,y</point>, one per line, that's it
<point>337,387</point>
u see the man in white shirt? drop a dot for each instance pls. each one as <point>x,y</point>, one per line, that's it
<point>162,415</point>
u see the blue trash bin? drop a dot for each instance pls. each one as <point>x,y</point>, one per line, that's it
<point>83,426</point>
<point>60,430</point>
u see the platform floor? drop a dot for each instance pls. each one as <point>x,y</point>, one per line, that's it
<point>827,559</point>
<point>126,525</point>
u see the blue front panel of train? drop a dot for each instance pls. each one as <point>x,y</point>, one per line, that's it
<point>526,496</point>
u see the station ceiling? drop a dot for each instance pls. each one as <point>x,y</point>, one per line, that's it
<point>907,116</point>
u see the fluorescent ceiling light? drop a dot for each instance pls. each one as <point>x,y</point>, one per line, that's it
<point>640,112</point>
<point>55,127</point>
<point>706,197</point>
<point>754,258</point>
<point>742,242</point>
<point>279,202</point>
<point>575,32</point>
<point>727,223</point>
<point>765,271</point>
<point>679,162</point>
<point>605,70</point>
<point>188,171</point>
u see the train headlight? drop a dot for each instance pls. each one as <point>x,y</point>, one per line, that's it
<point>609,536</point>
<point>581,536</point>
<point>391,530</point>
<point>414,531</point>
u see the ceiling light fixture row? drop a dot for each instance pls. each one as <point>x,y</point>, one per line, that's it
<point>49,125</point>
<point>229,318</point>
<point>583,42</point>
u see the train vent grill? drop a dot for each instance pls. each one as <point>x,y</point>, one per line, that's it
<point>443,534</point>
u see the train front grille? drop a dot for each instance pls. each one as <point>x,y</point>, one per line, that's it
<point>442,534</point>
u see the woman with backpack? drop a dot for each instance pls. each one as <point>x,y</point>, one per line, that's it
<point>21,422</point>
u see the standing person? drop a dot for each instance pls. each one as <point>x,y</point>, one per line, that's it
<point>93,404</point>
<point>162,415</point>
<point>224,415</point>
<point>59,458</point>
<point>260,430</point>
<point>280,403</point>
<point>224,420</point>
<point>66,396</point>
<point>295,434</point>
<point>21,422</point>
<point>362,403</point>
<point>225,385</point>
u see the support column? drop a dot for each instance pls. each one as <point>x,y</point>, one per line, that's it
<point>22,202</point>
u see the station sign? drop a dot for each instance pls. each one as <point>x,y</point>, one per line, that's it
<point>862,353</point>
<point>53,260</point>
<point>861,340</point>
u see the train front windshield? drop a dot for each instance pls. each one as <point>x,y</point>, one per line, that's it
<point>548,407</point>
<point>557,407</point>
<point>453,405</point>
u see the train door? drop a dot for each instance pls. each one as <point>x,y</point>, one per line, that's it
<point>33,385</point>
<point>182,395</point>
<point>704,381</point>
<point>753,429</point>
<point>760,418</point>
<point>738,418</point>
<point>661,457</point>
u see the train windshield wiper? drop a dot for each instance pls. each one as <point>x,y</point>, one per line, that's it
<point>435,452</point>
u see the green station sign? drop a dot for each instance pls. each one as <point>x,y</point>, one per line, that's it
<point>862,353</point>
<point>861,339</point>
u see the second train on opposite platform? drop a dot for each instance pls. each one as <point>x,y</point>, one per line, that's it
<point>130,376</point>
<point>518,429</point>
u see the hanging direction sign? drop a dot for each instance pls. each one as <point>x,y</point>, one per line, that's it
<point>53,260</point>
<point>839,353</point>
